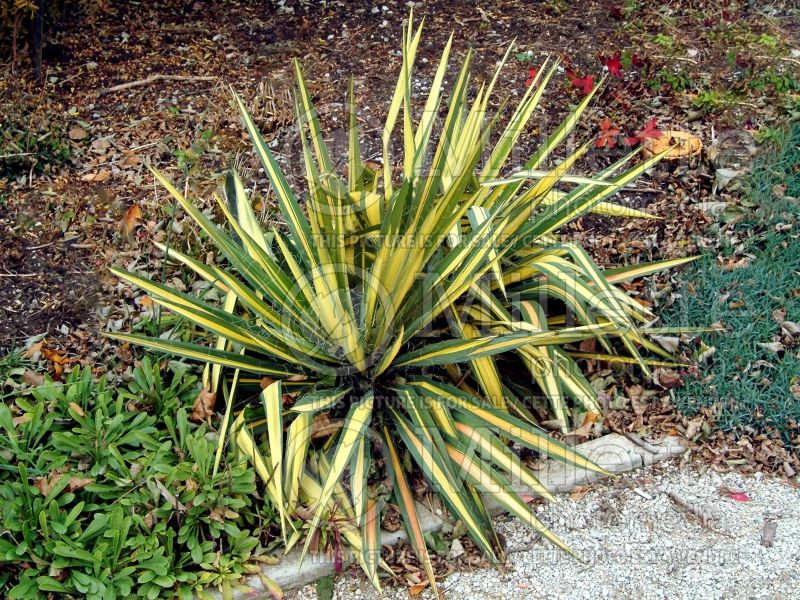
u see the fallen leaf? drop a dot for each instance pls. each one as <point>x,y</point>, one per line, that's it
<point>733,494</point>
<point>33,379</point>
<point>608,135</point>
<point>772,346</point>
<point>57,361</point>
<point>668,343</point>
<point>768,533</point>
<point>417,589</point>
<point>667,378</point>
<point>532,73</point>
<point>324,588</point>
<point>585,84</point>
<point>456,549</point>
<point>694,427</point>
<point>723,177</point>
<point>169,497</point>
<point>203,406</point>
<point>47,483</point>
<point>323,426</point>
<point>790,327</point>
<point>31,352</point>
<point>682,143</point>
<point>131,219</point>
<point>77,409</point>
<point>97,177</point>
<point>634,393</point>
<point>579,492</point>
<point>614,65</point>
<point>100,145</point>
<point>77,133</point>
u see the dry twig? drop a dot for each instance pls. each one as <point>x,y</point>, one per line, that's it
<point>151,79</point>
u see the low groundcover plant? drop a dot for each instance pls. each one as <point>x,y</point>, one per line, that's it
<point>410,322</point>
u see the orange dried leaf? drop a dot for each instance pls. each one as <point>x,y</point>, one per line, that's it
<point>30,352</point>
<point>131,219</point>
<point>417,589</point>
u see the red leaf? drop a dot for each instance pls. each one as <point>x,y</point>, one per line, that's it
<point>614,65</point>
<point>532,73</point>
<point>733,494</point>
<point>585,84</point>
<point>608,135</point>
<point>649,131</point>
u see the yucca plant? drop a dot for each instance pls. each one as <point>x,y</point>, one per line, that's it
<point>418,316</point>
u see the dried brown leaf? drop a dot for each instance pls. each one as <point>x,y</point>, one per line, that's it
<point>203,406</point>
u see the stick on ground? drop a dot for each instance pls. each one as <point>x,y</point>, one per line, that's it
<point>151,79</point>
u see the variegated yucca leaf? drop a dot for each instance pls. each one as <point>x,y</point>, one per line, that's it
<point>422,313</point>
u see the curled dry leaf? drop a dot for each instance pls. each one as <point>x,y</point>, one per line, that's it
<point>635,393</point>
<point>579,492</point>
<point>203,406</point>
<point>667,342</point>
<point>132,217</point>
<point>694,426</point>
<point>418,588</point>
<point>667,378</point>
<point>58,361</point>
<point>772,346</point>
<point>768,533</point>
<point>47,483</point>
<point>790,328</point>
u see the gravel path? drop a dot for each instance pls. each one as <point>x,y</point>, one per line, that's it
<point>662,532</point>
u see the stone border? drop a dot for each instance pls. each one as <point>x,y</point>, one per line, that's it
<point>613,452</point>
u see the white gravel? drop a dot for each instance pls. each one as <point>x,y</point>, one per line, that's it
<point>639,544</point>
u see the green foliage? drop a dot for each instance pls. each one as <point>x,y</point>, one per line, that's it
<point>109,495</point>
<point>710,101</point>
<point>770,79</point>
<point>676,81</point>
<point>30,141</point>
<point>749,383</point>
<point>189,158</point>
<point>664,40</point>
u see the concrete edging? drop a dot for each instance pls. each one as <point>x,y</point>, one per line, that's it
<point>613,452</point>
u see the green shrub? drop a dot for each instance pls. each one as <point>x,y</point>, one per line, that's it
<point>100,499</point>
